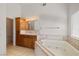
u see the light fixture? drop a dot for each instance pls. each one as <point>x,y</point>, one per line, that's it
<point>33,18</point>
<point>44,4</point>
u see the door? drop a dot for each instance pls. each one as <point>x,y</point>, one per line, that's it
<point>9,30</point>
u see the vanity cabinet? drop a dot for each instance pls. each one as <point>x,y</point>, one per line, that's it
<point>29,41</point>
<point>18,41</point>
<point>17,25</point>
<point>24,40</point>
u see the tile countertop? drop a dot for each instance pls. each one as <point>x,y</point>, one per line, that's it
<point>27,32</point>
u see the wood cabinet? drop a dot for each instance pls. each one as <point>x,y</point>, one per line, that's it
<point>24,25</point>
<point>24,40</point>
<point>18,40</point>
<point>17,24</point>
<point>29,41</point>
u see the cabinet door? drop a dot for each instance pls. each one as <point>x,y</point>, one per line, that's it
<point>17,30</point>
<point>20,40</point>
<point>27,42</point>
<point>34,38</point>
<point>17,24</point>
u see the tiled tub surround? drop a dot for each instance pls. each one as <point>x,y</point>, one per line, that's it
<point>50,37</point>
<point>49,31</point>
<point>55,48</point>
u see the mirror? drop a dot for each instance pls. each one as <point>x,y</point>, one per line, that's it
<point>28,23</point>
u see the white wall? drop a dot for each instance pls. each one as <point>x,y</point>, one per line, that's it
<point>50,16</point>
<point>75,24</point>
<point>74,17</point>
<point>2,29</point>
<point>7,10</point>
<point>13,10</point>
<point>30,9</point>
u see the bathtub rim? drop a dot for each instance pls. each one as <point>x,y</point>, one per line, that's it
<point>51,52</point>
<point>44,49</point>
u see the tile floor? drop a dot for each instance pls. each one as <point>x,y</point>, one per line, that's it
<point>19,51</point>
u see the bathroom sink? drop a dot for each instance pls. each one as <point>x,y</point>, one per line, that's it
<point>27,32</point>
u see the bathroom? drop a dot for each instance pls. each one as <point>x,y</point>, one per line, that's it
<point>50,27</point>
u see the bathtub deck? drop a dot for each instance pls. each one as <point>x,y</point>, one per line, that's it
<point>59,48</point>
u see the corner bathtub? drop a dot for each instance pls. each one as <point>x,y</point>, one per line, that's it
<point>54,48</point>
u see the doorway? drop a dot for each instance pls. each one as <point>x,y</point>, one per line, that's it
<point>11,49</point>
<point>9,31</point>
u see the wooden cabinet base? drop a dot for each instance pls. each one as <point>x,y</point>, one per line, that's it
<point>26,41</point>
